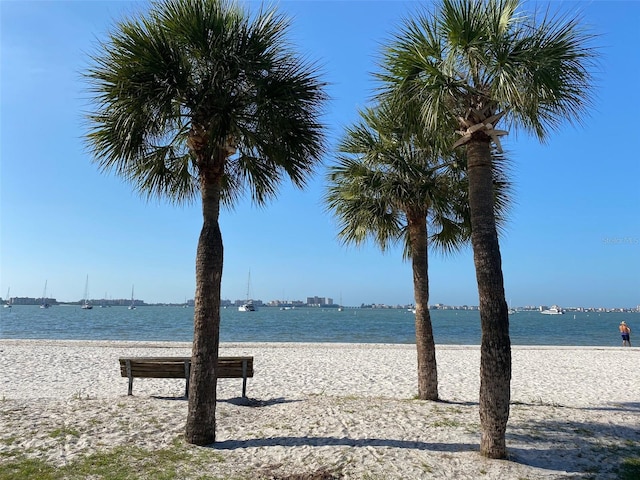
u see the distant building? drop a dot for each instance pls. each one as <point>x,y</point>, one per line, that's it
<point>32,301</point>
<point>257,303</point>
<point>319,301</point>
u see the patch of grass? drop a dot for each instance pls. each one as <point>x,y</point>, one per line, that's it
<point>80,395</point>
<point>95,421</point>
<point>447,423</point>
<point>630,469</point>
<point>28,468</point>
<point>10,440</point>
<point>123,463</point>
<point>426,467</point>
<point>64,431</point>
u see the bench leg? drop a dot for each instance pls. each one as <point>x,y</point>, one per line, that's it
<point>130,378</point>
<point>244,379</point>
<point>187,373</point>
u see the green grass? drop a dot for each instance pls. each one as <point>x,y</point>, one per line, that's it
<point>630,469</point>
<point>123,463</point>
<point>62,432</point>
<point>10,440</point>
<point>446,423</point>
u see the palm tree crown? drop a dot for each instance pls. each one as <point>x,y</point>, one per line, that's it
<point>196,82</point>
<point>390,167</point>
<point>476,61</point>
<point>385,173</point>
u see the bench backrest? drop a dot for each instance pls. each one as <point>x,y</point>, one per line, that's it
<point>174,367</point>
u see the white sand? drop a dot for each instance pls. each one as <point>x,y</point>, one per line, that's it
<point>348,408</point>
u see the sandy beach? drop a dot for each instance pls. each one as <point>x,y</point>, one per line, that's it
<point>320,411</point>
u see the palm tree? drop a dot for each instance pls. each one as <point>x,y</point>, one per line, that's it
<point>390,185</point>
<point>472,64</point>
<point>199,96</point>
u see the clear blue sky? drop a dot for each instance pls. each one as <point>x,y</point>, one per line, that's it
<point>573,237</point>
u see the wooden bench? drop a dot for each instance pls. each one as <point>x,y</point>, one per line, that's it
<point>179,367</point>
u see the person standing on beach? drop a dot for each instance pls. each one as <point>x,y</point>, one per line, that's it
<point>625,331</point>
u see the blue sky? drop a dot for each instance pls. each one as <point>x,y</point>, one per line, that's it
<point>573,237</point>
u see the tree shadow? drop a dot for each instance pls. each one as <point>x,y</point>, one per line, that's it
<point>460,403</point>
<point>173,399</point>
<point>238,401</point>
<point>573,446</point>
<point>617,407</point>
<point>342,441</point>
<point>254,402</point>
<point>588,448</point>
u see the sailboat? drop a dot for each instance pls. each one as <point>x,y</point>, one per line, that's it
<point>86,305</point>
<point>8,299</point>
<point>132,306</point>
<point>44,303</point>
<point>247,306</point>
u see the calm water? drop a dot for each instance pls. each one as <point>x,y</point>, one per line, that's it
<point>305,325</point>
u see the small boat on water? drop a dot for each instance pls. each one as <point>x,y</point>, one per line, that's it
<point>44,303</point>
<point>133,303</point>
<point>248,305</point>
<point>85,304</point>
<point>8,299</point>
<point>554,310</point>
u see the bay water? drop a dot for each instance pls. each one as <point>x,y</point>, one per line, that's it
<point>270,324</point>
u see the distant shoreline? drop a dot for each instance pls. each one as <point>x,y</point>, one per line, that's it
<point>282,345</point>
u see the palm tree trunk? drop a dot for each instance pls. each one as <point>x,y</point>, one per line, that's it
<point>425,344</point>
<point>201,416</point>
<point>495,359</point>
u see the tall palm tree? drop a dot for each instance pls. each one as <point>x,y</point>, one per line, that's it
<point>200,97</point>
<point>472,64</point>
<point>390,185</point>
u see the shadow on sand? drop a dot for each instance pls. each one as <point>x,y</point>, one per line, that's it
<point>342,441</point>
<point>595,449</point>
<point>588,449</point>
